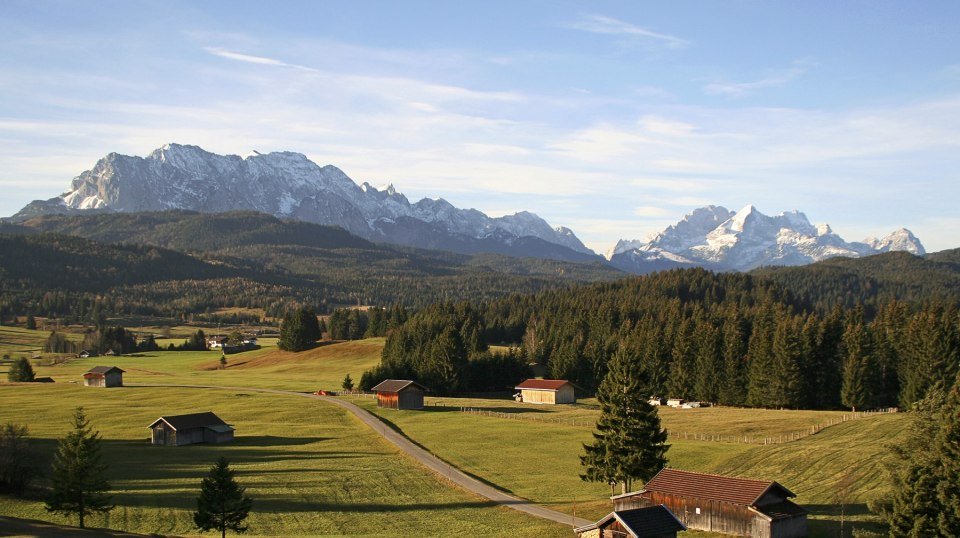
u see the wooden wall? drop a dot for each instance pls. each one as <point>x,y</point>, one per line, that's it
<point>713,516</point>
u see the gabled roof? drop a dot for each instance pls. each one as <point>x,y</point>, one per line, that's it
<point>542,384</point>
<point>194,420</point>
<point>103,370</point>
<point>649,521</point>
<point>396,385</point>
<point>742,491</point>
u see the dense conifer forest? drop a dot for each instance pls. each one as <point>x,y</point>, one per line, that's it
<point>732,339</point>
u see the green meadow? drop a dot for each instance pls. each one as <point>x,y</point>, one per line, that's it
<point>315,470</point>
<point>311,468</point>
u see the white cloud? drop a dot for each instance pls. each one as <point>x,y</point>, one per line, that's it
<point>776,79</point>
<point>604,25</point>
<point>649,211</point>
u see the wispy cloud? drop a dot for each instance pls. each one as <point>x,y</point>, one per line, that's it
<point>604,25</point>
<point>251,59</point>
<point>775,79</point>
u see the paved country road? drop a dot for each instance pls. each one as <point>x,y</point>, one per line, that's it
<point>425,458</point>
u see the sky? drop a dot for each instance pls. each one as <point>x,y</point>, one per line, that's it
<point>612,118</point>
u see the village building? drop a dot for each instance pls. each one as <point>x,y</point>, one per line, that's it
<point>651,522</point>
<point>178,430</point>
<point>656,400</point>
<point>84,354</point>
<point>722,504</point>
<point>217,342</point>
<point>103,376</point>
<point>545,391</point>
<point>675,402</point>
<point>399,394</point>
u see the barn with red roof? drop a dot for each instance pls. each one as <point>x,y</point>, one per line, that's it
<point>723,504</point>
<point>546,391</point>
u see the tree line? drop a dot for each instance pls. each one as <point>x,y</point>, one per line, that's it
<point>727,338</point>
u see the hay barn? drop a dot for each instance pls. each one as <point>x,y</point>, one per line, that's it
<point>546,391</point>
<point>178,430</point>
<point>399,394</point>
<point>651,522</point>
<point>722,504</point>
<point>103,376</point>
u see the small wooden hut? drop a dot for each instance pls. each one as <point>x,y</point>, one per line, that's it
<point>103,376</point>
<point>546,391</point>
<point>722,504</point>
<point>177,430</point>
<point>651,522</point>
<point>399,394</point>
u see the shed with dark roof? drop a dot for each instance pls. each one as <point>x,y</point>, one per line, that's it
<point>399,394</point>
<point>728,505</point>
<point>103,376</point>
<point>177,430</point>
<point>546,391</point>
<point>651,522</point>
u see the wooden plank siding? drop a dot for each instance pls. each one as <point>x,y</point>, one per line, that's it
<point>713,516</point>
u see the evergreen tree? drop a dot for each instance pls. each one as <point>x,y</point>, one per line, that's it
<point>947,450</point>
<point>733,385</point>
<point>18,462</point>
<point>20,371</point>
<point>347,383</point>
<point>857,388</point>
<point>629,443</point>
<point>222,504</point>
<point>31,322</point>
<point>77,477</point>
<point>299,330</point>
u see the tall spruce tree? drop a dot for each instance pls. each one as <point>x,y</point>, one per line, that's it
<point>77,479</point>
<point>222,504</point>
<point>299,330</point>
<point>20,371</point>
<point>947,449</point>
<point>629,443</point>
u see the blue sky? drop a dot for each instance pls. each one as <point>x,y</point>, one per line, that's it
<point>612,118</point>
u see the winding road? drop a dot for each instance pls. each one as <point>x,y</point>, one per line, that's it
<point>421,455</point>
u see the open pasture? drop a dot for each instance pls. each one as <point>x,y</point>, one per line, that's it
<point>321,367</point>
<point>537,458</point>
<point>311,468</point>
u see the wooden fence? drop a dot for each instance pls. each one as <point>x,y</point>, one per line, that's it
<point>690,436</point>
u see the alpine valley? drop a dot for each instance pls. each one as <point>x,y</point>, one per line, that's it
<point>288,185</point>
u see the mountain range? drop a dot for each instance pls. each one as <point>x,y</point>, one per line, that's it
<point>288,185</point>
<point>717,238</point>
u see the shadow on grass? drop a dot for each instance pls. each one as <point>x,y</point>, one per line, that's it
<point>828,520</point>
<point>287,505</point>
<point>506,410</point>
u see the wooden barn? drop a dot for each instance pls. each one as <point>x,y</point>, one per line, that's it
<point>651,522</point>
<point>103,376</point>
<point>399,394</point>
<point>722,504</point>
<point>546,391</point>
<point>189,429</point>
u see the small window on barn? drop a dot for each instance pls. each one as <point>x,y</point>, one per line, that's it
<point>698,511</point>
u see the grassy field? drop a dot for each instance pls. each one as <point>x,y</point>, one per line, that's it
<point>533,453</point>
<point>321,367</point>
<point>311,468</point>
<point>537,456</point>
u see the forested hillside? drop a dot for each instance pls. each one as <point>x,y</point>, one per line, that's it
<point>182,264</point>
<point>873,280</point>
<point>729,338</point>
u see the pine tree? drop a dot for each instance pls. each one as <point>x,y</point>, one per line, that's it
<point>222,504</point>
<point>629,443</point>
<point>299,330</point>
<point>347,383</point>
<point>20,371</point>
<point>947,449</point>
<point>77,477</point>
<point>857,384</point>
<point>31,322</point>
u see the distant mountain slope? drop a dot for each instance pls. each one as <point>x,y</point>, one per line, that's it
<point>717,238</point>
<point>884,277</point>
<point>176,261</point>
<point>287,184</point>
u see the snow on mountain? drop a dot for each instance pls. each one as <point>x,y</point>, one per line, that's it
<point>289,185</point>
<point>720,239</point>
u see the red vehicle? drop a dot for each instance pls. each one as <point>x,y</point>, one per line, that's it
<point>322,393</point>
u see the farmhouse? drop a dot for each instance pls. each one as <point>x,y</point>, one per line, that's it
<point>712,503</point>
<point>546,391</point>
<point>675,402</point>
<point>103,376</point>
<point>399,394</point>
<point>651,522</point>
<point>180,430</point>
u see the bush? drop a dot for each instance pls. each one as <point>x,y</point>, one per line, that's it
<point>18,463</point>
